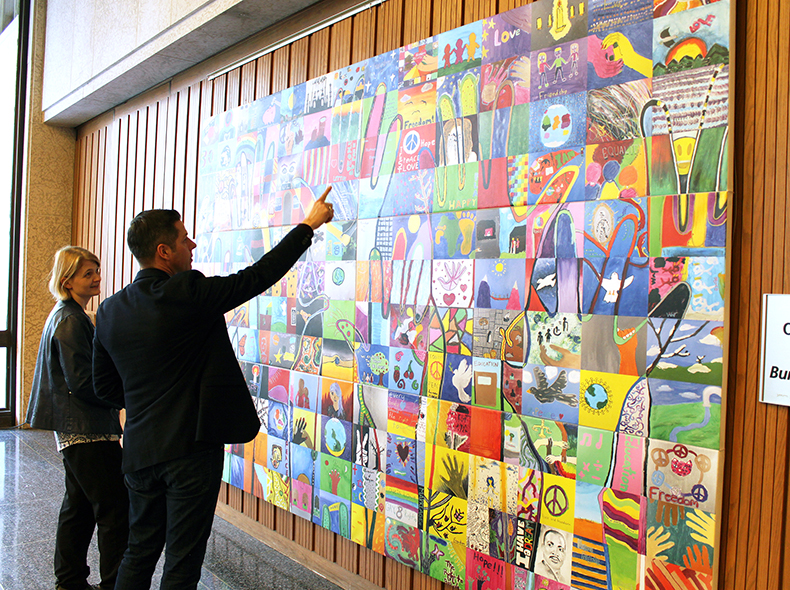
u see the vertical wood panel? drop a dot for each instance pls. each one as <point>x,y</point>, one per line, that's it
<point>423,582</point>
<point>138,178</point>
<point>324,543</point>
<point>280,62</point>
<point>191,144</point>
<point>248,85</point>
<point>93,193</point>
<point>107,253</point>
<point>389,27</point>
<point>235,498</point>
<point>340,45</point>
<point>250,506</point>
<point>319,54</point>
<point>371,566</point>
<point>78,197</point>
<point>397,576</point>
<point>780,552</point>
<point>416,21</point>
<point>347,553</point>
<point>300,52</point>
<point>219,94</point>
<point>446,15</point>
<point>131,154</point>
<point>98,237</point>
<point>303,533</point>
<point>480,9</point>
<point>755,417</point>
<point>181,118</point>
<point>80,212</point>
<point>150,159</point>
<point>284,523</point>
<point>765,513</point>
<point>170,161</point>
<point>364,35</point>
<point>263,76</point>
<point>233,91</point>
<point>160,145</point>
<point>207,99</point>
<point>782,122</point>
<point>778,526</point>
<point>266,514</point>
<point>505,5</point>
<point>735,453</point>
<point>80,189</point>
<point>120,216</point>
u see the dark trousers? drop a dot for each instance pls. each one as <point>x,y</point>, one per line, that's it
<point>172,504</point>
<point>95,498</point>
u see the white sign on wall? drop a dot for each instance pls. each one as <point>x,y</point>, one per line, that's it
<point>775,355</point>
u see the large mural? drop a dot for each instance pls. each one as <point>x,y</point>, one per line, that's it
<point>502,363</point>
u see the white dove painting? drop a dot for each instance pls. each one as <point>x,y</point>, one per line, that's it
<point>613,285</point>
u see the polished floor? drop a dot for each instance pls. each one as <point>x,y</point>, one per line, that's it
<point>31,489</point>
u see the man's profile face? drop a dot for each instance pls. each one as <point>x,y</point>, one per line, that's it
<point>181,259</point>
<point>554,547</point>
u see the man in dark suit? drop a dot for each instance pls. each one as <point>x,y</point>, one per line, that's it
<point>163,343</point>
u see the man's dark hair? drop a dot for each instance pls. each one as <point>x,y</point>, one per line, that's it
<point>149,229</point>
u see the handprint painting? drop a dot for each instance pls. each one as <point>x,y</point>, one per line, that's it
<point>502,363</point>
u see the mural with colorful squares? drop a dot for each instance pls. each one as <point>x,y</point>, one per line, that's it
<point>502,363</point>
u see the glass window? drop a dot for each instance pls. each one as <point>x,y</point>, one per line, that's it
<point>8,52</point>
<point>3,381</point>
<point>13,31</point>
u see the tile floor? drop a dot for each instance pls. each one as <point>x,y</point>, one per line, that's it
<point>31,489</point>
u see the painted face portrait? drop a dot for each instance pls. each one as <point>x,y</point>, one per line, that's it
<point>554,547</point>
<point>277,456</point>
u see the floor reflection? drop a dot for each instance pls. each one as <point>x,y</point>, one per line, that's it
<point>31,489</point>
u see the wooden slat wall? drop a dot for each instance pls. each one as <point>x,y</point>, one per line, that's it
<point>144,153</point>
<point>754,548</point>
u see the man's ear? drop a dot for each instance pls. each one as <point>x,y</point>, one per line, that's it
<point>163,251</point>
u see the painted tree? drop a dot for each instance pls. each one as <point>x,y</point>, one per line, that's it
<point>379,365</point>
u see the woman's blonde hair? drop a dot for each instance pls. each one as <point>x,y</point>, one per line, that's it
<point>67,261</point>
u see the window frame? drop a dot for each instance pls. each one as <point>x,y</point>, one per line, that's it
<point>8,337</point>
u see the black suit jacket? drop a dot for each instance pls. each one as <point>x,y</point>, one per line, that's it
<point>164,339</point>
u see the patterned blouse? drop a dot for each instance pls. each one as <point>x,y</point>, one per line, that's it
<point>66,439</point>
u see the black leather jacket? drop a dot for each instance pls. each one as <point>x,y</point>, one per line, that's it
<point>62,398</point>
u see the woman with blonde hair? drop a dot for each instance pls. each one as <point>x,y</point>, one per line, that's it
<point>87,430</point>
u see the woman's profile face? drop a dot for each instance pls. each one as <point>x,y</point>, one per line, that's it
<point>86,282</point>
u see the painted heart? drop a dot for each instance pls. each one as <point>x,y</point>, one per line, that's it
<point>449,298</point>
<point>561,415</point>
<point>403,452</point>
<point>463,286</point>
<point>681,468</point>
